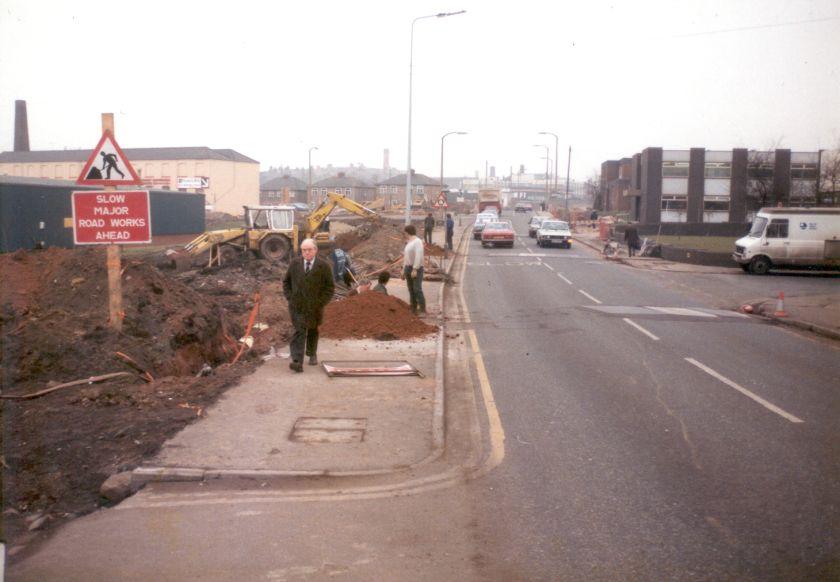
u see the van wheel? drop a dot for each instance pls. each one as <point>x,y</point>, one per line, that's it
<point>759,266</point>
<point>275,248</point>
<point>746,268</point>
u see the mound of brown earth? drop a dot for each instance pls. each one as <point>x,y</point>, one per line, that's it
<point>372,315</point>
<point>60,447</point>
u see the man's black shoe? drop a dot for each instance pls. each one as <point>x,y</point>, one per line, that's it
<point>296,366</point>
<point>313,360</point>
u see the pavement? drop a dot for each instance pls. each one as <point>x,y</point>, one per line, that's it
<point>277,423</point>
<point>818,313</point>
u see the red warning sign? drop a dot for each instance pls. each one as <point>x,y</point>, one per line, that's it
<point>111,217</point>
<point>108,166</point>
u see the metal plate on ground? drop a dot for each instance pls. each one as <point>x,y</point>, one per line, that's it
<point>309,429</point>
<point>347,368</point>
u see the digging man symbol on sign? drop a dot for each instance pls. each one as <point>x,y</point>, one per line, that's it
<point>109,162</point>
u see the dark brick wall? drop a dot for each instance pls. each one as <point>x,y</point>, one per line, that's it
<point>738,186</point>
<point>696,184</point>
<point>651,186</point>
<point>781,178</point>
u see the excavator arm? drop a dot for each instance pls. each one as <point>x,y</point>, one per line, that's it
<point>206,241</point>
<point>317,216</point>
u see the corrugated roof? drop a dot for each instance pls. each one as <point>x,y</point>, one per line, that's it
<point>289,182</point>
<point>133,154</point>
<point>416,180</point>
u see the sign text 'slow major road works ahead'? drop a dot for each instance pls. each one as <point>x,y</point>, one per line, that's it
<point>112,217</point>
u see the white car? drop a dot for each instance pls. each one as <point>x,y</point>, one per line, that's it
<point>480,220</point>
<point>554,232</point>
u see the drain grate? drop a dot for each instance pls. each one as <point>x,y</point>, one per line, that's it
<point>311,429</point>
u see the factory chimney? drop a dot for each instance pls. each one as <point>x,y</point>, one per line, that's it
<point>21,127</point>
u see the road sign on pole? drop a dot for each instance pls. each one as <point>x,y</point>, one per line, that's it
<point>108,217</point>
<point>108,165</point>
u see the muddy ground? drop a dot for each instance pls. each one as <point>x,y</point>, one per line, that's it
<point>181,332</point>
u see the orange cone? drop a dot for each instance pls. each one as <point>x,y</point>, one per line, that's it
<point>780,306</point>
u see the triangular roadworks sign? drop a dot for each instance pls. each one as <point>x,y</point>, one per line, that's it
<point>108,166</point>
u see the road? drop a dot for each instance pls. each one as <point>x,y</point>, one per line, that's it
<point>606,423</point>
<point>647,443</point>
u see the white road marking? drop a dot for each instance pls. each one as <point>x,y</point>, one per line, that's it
<point>588,295</point>
<point>768,405</point>
<point>641,329</point>
<point>564,278</point>
<point>547,266</point>
<point>681,311</point>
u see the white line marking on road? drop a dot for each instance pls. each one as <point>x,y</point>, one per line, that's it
<point>682,311</point>
<point>641,329</point>
<point>547,266</point>
<point>588,295</point>
<point>564,278</point>
<point>768,405</point>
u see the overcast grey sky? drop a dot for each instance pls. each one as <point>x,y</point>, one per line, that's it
<point>272,79</point>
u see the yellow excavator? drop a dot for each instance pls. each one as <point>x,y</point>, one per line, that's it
<point>272,232</point>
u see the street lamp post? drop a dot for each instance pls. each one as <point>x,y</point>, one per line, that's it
<point>568,167</point>
<point>556,142</point>
<point>542,145</point>
<point>441,152</point>
<point>410,81</point>
<point>309,187</point>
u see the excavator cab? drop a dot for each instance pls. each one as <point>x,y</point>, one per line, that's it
<point>269,217</point>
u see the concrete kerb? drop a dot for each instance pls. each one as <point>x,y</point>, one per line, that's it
<point>146,474</point>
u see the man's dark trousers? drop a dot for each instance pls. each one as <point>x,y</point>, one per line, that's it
<point>427,235</point>
<point>304,340</point>
<point>415,289</point>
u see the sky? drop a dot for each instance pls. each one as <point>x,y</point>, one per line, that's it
<point>272,80</point>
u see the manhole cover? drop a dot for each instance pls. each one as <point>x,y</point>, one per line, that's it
<point>310,429</point>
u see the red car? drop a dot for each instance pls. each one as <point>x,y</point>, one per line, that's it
<point>498,233</point>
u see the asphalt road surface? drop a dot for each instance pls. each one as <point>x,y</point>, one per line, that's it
<point>647,439</point>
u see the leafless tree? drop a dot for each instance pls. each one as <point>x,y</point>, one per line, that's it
<point>830,177</point>
<point>593,190</point>
<point>760,168</point>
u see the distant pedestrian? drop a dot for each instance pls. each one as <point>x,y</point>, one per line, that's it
<point>308,287</point>
<point>381,281</point>
<point>428,227</point>
<point>631,237</point>
<point>450,231</point>
<point>413,269</point>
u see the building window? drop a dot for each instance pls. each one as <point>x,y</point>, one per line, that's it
<point>420,190</point>
<point>393,189</point>
<point>759,170</point>
<point>803,171</point>
<point>716,205</point>
<point>718,170</point>
<point>675,169</point>
<point>674,203</point>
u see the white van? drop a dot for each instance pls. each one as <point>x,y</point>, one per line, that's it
<point>790,237</point>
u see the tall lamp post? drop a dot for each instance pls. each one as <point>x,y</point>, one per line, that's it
<point>309,187</point>
<point>556,142</point>
<point>441,152</point>
<point>568,167</point>
<point>410,81</point>
<point>542,145</point>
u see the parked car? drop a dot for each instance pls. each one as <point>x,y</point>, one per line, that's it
<point>498,233</point>
<point>534,224</point>
<point>554,232</point>
<point>523,207</point>
<point>480,220</point>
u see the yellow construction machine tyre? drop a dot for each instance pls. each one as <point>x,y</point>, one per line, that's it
<point>275,248</point>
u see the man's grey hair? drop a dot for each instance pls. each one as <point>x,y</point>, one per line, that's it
<point>309,240</point>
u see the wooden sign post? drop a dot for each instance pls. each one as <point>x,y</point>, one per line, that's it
<point>111,217</point>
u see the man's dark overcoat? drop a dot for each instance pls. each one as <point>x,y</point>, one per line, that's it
<point>308,293</point>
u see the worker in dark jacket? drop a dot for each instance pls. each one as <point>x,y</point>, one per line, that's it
<point>308,287</point>
<point>631,237</point>
<point>428,227</point>
<point>450,230</point>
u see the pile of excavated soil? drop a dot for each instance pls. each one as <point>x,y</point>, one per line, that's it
<point>372,315</point>
<point>60,447</point>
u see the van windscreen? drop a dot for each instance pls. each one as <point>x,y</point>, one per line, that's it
<point>757,227</point>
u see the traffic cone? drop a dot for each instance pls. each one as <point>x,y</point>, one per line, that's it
<point>780,306</point>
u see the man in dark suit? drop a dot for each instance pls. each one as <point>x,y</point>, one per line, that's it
<point>308,287</point>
